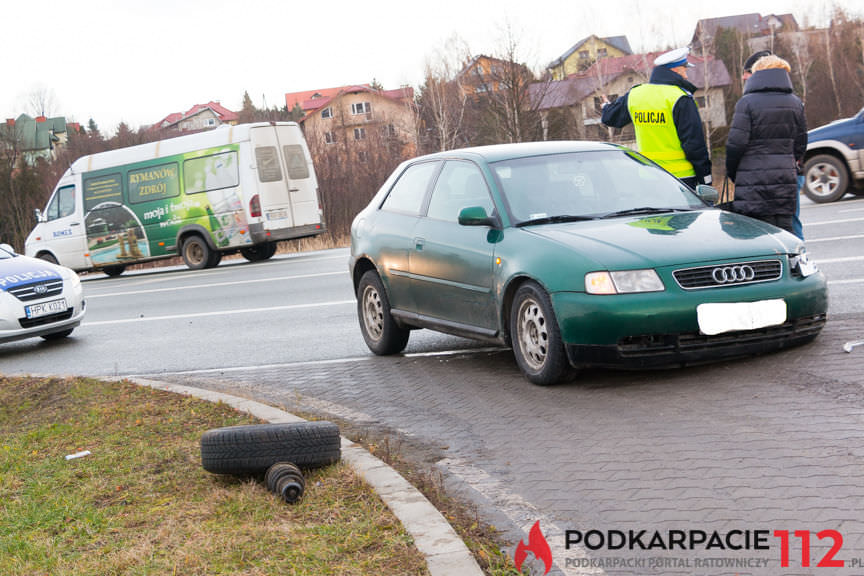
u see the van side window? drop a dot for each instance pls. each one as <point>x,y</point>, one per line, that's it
<point>211,172</point>
<point>62,204</point>
<point>267,158</point>
<point>153,183</point>
<point>296,162</point>
<point>408,192</point>
<point>102,188</point>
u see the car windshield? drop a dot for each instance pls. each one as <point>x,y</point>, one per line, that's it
<point>588,185</point>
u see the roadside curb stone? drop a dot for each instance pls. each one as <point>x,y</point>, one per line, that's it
<point>446,554</point>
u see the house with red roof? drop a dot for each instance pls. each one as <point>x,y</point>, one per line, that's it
<point>358,116</point>
<point>199,117</point>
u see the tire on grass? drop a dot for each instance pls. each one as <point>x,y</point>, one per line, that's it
<point>252,449</point>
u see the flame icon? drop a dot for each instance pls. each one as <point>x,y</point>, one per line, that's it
<point>538,545</point>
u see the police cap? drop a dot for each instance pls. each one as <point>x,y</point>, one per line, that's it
<point>674,58</point>
<point>748,64</point>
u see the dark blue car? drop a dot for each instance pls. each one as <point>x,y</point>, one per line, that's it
<point>834,163</point>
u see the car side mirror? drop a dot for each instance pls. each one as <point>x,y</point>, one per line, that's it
<point>7,248</point>
<point>475,216</point>
<point>707,193</point>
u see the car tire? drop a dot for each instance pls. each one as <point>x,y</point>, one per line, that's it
<point>259,252</point>
<point>825,179</point>
<point>57,335</point>
<point>214,259</point>
<point>536,337</point>
<point>252,449</point>
<point>382,334</point>
<point>195,252</point>
<point>116,270</point>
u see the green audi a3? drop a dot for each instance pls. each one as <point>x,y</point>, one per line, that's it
<point>575,254</point>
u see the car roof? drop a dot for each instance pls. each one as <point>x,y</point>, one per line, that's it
<point>499,152</point>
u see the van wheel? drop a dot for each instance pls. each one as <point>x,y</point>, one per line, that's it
<point>252,449</point>
<point>196,253</point>
<point>114,270</point>
<point>825,179</point>
<point>259,252</point>
<point>48,257</point>
<point>215,259</point>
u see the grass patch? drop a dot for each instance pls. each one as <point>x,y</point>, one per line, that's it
<point>141,504</point>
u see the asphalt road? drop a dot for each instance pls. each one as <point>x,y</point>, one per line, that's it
<point>770,443</point>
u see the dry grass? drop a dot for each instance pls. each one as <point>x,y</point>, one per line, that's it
<point>142,504</point>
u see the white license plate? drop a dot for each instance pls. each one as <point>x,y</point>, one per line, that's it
<point>720,317</point>
<point>46,308</point>
<point>277,215</point>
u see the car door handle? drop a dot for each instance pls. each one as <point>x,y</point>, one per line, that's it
<point>419,242</point>
<point>75,224</point>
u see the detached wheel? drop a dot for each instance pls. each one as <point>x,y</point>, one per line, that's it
<point>536,338</point>
<point>259,252</point>
<point>825,179</point>
<point>253,449</point>
<point>196,253</point>
<point>382,334</point>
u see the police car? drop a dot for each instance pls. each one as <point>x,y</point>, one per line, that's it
<point>37,298</point>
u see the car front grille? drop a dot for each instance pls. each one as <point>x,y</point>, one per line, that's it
<point>732,274</point>
<point>42,320</point>
<point>37,290</point>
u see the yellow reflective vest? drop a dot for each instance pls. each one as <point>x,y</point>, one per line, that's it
<point>650,107</point>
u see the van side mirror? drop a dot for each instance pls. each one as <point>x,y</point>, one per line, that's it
<point>475,216</point>
<point>38,213</point>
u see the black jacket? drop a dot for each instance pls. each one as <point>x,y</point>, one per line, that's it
<point>767,139</point>
<point>685,115</point>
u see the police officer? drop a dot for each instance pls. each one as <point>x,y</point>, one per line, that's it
<point>666,119</point>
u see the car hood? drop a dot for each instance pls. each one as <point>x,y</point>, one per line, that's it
<point>833,130</point>
<point>669,239</point>
<point>22,270</point>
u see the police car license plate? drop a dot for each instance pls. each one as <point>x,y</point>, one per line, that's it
<point>277,215</point>
<point>46,308</point>
<point>720,317</point>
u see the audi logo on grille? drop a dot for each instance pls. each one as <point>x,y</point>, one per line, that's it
<point>733,274</point>
<point>40,289</point>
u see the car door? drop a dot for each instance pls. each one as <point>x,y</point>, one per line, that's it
<point>451,264</point>
<point>63,229</point>
<point>394,231</point>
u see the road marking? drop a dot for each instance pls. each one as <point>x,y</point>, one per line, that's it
<point>835,238</point>
<point>216,284</point>
<point>828,222</point>
<point>850,281</point>
<point>218,313</point>
<point>838,260</point>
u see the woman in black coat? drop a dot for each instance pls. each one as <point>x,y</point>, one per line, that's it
<point>766,144</point>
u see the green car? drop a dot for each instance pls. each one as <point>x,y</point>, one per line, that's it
<point>575,254</point>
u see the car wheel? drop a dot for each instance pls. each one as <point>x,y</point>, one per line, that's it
<point>48,257</point>
<point>57,335</point>
<point>825,179</point>
<point>259,252</point>
<point>536,338</point>
<point>252,449</point>
<point>382,334</point>
<point>196,253</point>
<point>114,270</point>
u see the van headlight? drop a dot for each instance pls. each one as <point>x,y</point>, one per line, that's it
<point>800,263</point>
<point>623,282</point>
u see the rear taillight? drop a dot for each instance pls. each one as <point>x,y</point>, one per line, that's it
<point>255,206</point>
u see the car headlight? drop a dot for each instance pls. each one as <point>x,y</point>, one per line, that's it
<point>800,263</point>
<point>623,282</point>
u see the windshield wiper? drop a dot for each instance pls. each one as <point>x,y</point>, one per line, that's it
<point>644,210</point>
<point>555,220</point>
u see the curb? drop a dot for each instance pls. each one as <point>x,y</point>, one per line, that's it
<point>445,552</point>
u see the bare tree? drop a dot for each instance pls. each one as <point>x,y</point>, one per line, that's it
<point>42,102</point>
<point>442,101</point>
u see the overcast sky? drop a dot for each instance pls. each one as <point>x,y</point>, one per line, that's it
<point>137,62</point>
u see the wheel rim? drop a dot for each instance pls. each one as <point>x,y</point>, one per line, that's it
<point>195,253</point>
<point>533,334</point>
<point>823,179</point>
<point>373,313</point>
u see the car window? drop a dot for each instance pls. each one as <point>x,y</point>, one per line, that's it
<point>62,204</point>
<point>409,191</point>
<point>459,186</point>
<point>587,184</point>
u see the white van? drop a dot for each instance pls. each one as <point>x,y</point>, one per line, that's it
<point>233,189</point>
